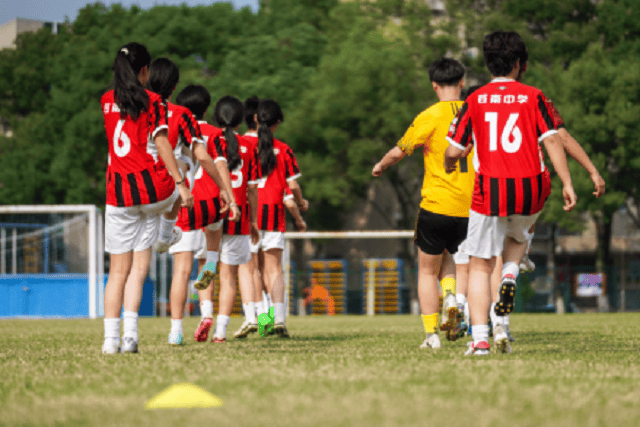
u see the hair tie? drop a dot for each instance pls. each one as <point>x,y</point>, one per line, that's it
<point>125,51</point>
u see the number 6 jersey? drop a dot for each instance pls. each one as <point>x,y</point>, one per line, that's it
<point>507,120</point>
<point>131,173</point>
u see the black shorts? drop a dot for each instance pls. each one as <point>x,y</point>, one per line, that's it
<point>435,232</point>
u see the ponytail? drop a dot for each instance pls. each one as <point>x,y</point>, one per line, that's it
<point>129,93</point>
<point>250,111</point>
<point>269,114</point>
<point>228,114</point>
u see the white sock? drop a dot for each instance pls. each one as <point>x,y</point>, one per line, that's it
<point>176,326</point>
<point>212,257</point>
<point>480,333</point>
<point>269,302</point>
<point>505,320</point>
<point>166,228</point>
<point>461,299</point>
<point>510,268</point>
<point>131,325</point>
<point>221,326</point>
<point>250,311</point>
<point>466,308</point>
<point>112,328</point>
<point>259,308</point>
<point>280,313</point>
<point>206,309</point>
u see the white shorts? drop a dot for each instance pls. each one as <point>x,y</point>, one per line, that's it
<point>134,228</point>
<point>268,240</point>
<point>191,241</point>
<point>461,257</point>
<point>485,238</point>
<point>235,250</point>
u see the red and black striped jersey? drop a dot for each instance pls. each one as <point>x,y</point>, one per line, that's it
<point>271,210</point>
<point>244,174</point>
<point>204,186</point>
<point>183,128</point>
<point>203,213</point>
<point>507,120</point>
<point>132,178</point>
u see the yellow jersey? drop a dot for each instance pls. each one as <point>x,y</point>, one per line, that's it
<point>442,193</point>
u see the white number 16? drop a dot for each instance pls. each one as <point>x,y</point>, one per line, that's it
<point>510,129</point>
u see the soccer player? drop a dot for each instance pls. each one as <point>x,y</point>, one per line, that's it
<point>235,237</point>
<point>279,169</point>
<point>444,210</point>
<point>507,120</point>
<point>136,192</point>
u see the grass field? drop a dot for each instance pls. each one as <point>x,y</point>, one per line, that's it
<point>572,370</point>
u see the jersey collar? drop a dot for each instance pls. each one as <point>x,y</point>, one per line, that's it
<point>502,80</point>
<point>202,122</point>
<point>251,134</point>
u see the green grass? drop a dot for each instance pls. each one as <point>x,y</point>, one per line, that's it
<point>572,370</point>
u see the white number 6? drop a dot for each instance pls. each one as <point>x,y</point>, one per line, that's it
<point>118,136</point>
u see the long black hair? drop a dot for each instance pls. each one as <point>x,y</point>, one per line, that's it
<point>129,94</point>
<point>196,98</point>
<point>163,77</point>
<point>250,110</point>
<point>269,113</point>
<point>228,114</point>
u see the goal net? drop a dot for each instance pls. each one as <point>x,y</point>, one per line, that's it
<point>51,261</point>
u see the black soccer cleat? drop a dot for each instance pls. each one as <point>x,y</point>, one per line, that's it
<point>506,296</point>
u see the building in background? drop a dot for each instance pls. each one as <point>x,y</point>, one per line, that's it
<point>10,30</point>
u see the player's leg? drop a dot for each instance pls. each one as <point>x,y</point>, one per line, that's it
<point>257,259</point>
<point>449,320</point>
<point>275,278</point>
<point>428,296</point>
<point>182,266</point>
<point>237,250</point>
<point>132,298</point>
<point>119,267</point>
<point>228,275</point>
<point>206,303</point>
<point>494,288</point>
<point>526,265</point>
<point>168,234</point>
<point>462,282</point>
<point>213,235</point>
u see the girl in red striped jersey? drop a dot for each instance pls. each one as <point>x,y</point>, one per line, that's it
<point>279,169</point>
<point>233,238</point>
<point>136,193</point>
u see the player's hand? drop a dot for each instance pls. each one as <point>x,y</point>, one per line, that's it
<point>377,170</point>
<point>570,198</point>
<point>255,232</point>
<point>449,165</point>
<point>304,206</point>
<point>226,202</point>
<point>186,196</point>
<point>301,225</point>
<point>599,184</point>
<point>234,213</point>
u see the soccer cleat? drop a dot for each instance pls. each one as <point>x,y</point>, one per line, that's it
<point>218,340</point>
<point>205,278</point>
<point>501,340</point>
<point>111,346</point>
<point>450,317</point>
<point>202,333</point>
<point>506,296</point>
<point>526,265</point>
<point>281,330</point>
<point>175,339</point>
<point>246,329</point>
<point>432,341</point>
<point>511,338</point>
<point>162,246</point>
<point>482,349</point>
<point>129,345</point>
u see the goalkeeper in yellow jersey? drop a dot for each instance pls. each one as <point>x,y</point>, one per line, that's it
<point>446,199</point>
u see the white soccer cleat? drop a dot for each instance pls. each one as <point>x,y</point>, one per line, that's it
<point>111,346</point>
<point>501,339</point>
<point>129,345</point>
<point>246,329</point>
<point>482,349</point>
<point>162,246</point>
<point>432,341</point>
<point>526,265</point>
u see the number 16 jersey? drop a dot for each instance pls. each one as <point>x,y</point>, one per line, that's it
<point>507,120</point>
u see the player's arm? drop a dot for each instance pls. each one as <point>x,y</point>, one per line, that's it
<point>460,139</point>
<point>555,148</point>
<point>166,154</point>
<point>574,149</point>
<point>296,191</point>
<point>392,157</point>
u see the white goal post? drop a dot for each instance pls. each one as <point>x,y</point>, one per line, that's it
<point>339,235</point>
<point>95,250</point>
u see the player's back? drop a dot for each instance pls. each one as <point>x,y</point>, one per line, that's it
<point>204,187</point>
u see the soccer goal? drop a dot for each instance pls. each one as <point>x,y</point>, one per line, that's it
<point>51,261</point>
<point>374,270</point>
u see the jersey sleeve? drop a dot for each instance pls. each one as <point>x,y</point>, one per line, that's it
<point>254,167</point>
<point>544,118</point>
<point>287,194</point>
<point>217,149</point>
<point>292,171</point>
<point>417,134</point>
<point>557,118</point>
<point>189,129</point>
<point>461,130</point>
<point>157,114</point>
